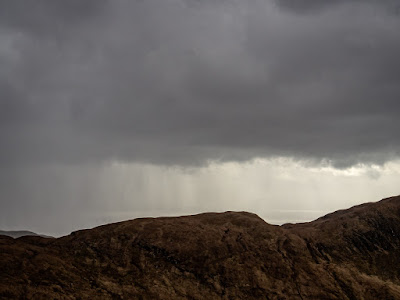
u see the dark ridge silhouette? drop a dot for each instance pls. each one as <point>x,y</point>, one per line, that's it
<point>19,233</point>
<point>348,254</point>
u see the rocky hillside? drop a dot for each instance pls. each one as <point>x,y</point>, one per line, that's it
<point>349,254</point>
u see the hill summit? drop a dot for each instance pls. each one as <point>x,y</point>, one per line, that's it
<point>349,254</point>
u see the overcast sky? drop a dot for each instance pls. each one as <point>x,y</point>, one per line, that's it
<point>111,110</point>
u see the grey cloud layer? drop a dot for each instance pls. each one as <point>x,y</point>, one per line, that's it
<point>186,81</point>
<point>311,6</point>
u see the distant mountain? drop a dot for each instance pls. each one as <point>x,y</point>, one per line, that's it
<point>19,233</point>
<point>349,254</point>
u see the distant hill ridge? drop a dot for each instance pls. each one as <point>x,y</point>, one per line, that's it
<point>19,233</point>
<point>348,254</point>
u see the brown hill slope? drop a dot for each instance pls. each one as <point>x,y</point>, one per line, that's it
<point>350,254</point>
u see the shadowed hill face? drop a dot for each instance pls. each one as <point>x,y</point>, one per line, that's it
<point>351,254</point>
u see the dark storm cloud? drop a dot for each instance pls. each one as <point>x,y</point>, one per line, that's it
<point>189,81</point>
<point>43,17</point>
<point>304,6</point>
